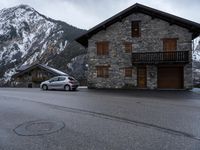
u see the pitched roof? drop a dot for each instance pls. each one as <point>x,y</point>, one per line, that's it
<point>42,66</point>
<point>23,67</point>
<point>56,71</point>
<point>193,27</point>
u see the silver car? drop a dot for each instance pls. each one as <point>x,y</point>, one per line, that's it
<point>60,82</point>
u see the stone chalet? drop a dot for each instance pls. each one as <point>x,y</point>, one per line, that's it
<point>32,76</point>
<point>142,48</point>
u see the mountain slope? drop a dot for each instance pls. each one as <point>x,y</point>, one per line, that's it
<point>196,62</point>
<point>28,37</point>
<point>196,52</point>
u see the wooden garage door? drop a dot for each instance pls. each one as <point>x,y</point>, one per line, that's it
<point>170,77</point>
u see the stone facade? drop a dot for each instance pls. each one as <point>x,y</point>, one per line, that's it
<point>153,31</point>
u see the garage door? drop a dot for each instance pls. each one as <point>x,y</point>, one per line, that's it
<point>170,77</point>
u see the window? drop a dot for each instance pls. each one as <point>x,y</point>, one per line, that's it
<point>61,78</point>
<point>39,74</point>
<point>136,29</point>
<point>128,47</point>
<point>53,79</point>
<point>103,71</point>
<point>170,44</point>
<point>71,79</point>
<point>102,48</point>
<point>128,72</point>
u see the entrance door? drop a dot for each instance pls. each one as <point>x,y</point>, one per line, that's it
<point>142,77</point>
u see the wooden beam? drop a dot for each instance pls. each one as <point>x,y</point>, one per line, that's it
<point>104,27</point>
<point>192,30</point>
<point>120,19</point>
<point>171,23</point>
<point>152,16</point>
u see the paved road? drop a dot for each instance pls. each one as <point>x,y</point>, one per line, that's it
<point>31,119</point>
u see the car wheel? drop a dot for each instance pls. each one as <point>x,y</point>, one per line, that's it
<point>67,88</point>
<point>45,87</point>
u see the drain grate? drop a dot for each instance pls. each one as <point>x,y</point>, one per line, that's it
<point>39,127</point>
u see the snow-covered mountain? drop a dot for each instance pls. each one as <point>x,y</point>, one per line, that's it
<point>28,37</point>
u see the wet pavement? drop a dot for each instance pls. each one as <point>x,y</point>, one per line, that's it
<point>99,119</point>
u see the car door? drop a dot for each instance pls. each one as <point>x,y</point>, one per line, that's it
<point>61,82</point>
<point>53,83</point>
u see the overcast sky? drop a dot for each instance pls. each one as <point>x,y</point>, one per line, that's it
<point>88,13</point>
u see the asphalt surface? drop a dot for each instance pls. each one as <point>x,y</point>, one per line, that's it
<point>32,119</point>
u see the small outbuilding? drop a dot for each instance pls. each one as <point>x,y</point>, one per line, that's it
<point>32,76</point>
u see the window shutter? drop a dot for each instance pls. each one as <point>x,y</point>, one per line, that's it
<point>136,29</point>
<point>105,48</point>
<point>170,44</point>
<point>128,72</point>
<point>102,48</point>
<point>99,49</point>
<point>102,71</point>
<point>128,47</point>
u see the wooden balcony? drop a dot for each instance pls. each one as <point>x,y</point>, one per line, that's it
<point>176,57</point>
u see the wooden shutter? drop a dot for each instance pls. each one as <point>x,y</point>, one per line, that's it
<point>102,71</point>
<point>128,47</point>
<point>99,72</point>
<point>136,29</point>
<point>170,44</point>
<point>128,72</point>
<point>102,48</point>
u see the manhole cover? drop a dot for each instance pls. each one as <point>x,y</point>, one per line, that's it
<point>39,127</point>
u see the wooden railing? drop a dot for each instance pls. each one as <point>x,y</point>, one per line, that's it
<point>160,57</point>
